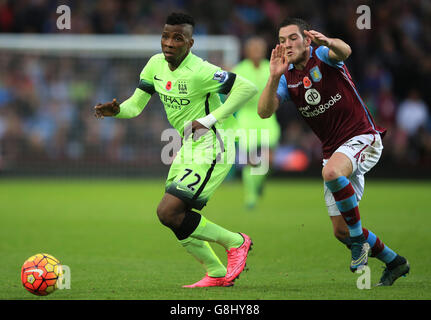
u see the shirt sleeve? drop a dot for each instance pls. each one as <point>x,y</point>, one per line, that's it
<point>215,80</point>
<point>242,91</point>
<point>146,79</point>
<point>133,106</point>
<point>282,91</point>
<point>322,53</point>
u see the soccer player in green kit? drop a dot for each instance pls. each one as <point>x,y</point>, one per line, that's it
<point>256,69</point>
<point>188,88</point>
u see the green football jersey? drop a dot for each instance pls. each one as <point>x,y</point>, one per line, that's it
<point>257,76</point>
<point>189,92</point>
<point>247,117</point>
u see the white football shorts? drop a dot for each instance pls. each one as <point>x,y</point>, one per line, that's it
<point>364,152</point>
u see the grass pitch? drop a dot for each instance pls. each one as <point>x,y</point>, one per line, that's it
<point>107,232</point>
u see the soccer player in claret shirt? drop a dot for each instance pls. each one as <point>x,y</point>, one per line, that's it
<point>317,81</point>
<point>189,89</point>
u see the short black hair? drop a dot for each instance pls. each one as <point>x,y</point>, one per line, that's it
<point>180,18</point>
<point>302,24</point>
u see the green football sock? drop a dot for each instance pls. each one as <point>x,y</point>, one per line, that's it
<point>203,252</point>
<point>209,231</point>
<point>253,184</point>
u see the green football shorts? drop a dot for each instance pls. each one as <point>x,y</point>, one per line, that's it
<point>199,168</point>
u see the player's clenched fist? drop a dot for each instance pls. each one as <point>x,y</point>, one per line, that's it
<point>107,109</point>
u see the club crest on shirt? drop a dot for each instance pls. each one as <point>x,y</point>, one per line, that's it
<point>315,74</point>
<point>182,87</point>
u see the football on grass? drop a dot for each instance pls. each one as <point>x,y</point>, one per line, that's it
<point>40,273</point>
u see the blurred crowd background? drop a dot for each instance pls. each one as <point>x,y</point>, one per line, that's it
<point>46,103</point>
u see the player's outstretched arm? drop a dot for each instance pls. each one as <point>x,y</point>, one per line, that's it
<point>338,49</point>
<point>133,106</point>
<point>130,108</point>
<point>268,101</point>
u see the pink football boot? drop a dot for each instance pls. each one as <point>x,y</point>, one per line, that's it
<point>208,281</point>
<point>236,259</point>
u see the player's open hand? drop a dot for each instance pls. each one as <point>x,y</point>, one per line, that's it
<point>278,63</point>
<point>107,109</point>
<point>318,38</point>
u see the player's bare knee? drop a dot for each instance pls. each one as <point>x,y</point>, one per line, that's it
<point>168,214</point>
<point>164,214</point>
<point>330,173</point>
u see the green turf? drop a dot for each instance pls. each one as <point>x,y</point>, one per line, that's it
<point>107,232</point>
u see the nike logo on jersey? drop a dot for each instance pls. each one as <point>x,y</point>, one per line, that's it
<point>35,270</point>
<point>182,189</point>
<point>155,78</point>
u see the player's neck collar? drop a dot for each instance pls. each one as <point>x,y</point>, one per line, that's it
<point>184,61</point>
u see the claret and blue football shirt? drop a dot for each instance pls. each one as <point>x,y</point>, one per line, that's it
<point>327,99</point>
